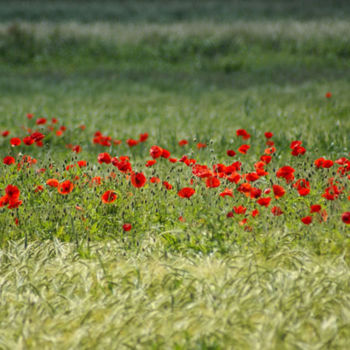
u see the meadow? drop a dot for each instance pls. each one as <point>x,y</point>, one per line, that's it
<point>174,176</point>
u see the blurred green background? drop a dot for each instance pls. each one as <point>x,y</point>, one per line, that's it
<point>168,66</point>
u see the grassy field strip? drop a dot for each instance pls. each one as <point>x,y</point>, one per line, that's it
<point>291,30</point>
<point>52,297</point>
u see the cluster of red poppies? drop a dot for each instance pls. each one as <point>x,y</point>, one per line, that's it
<point>234,179</point>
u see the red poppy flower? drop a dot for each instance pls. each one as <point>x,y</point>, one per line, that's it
<point>65,187</point>
<point>270,150</point>
<point>294,144</point>
<point>226,192</point>
<point>109,197</point>
<point>155,152</point>
<point>201,145</point>
<point>82,163</point>
<point>331,193</point>
<point>165,153</point>
<point>255,192</point>
<point>266,159</point>
<point>77,149</point>
<point>255,213</point>
<point>327,163</point>
<point>150,163</point>
<point>302,186</point>
<point>28,141</point>
<point>183,142</point>
<point>234,177</point>
<point>297,151</point>
<point>15,141</point>
<point>244,188</point>
<point>52,182</point>
<point>186,192</point>
<point>37,136</point>
<point>230,214</point>
<point>127,227</point>
<point>8,160</point>
<point>243,149</point>
<point>104,158</point>
<point>315,208</point>
<point>240,209</point>
<point>167,185</point>
<point>346,218</point>
<point>13,204</point>
<point>190,162</point>
<point>41,121</point>
<point>265,202</point>
<point>154,180</point>
<point>286,172</point>
<point>231,153</point>
<point>38,188</point>
<point>268,134</point>
<point>328,94</point>
<point>251,177</point>
<point>143,137</point>
<point>132,142</point>
<point>278,191</point>
<point>123,166</point>
<point>243,133</point>
<point>323,163</point>
<point>276,211</point>
<point>307,220</point>
<point>138,180</point>
<point>96,180</point>
<point>212,182</point>
<point>30,115</point>
<point>201,171</point>
<point>5,133</point>
<point>12,192</point>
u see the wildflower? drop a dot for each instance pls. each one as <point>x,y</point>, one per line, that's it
<point>212,182</point>
<point>243,149</point>
<point>346,218</point>
<point>127,227</point>
<point>138,180</point>
<point>52,182</point>
<point>186,192</point>
<point>243,133</point>
<point>65,187</point>
<point>8,160</point>
<point>286,172</point>
<point>167,185</point>
<point>315,208</point>
<point>307,220</point>
<point>265,202</point>
<point>15,141</point>
<point>143,137</point>
<point>226,192</point>
<point>276,211</point>
<point>155,152</point>
<point>104,158</point>
<point>109,197</point>
<point>278,191</point>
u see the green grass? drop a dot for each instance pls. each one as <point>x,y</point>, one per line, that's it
<point>73,279</point>
<point>51,298</point>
